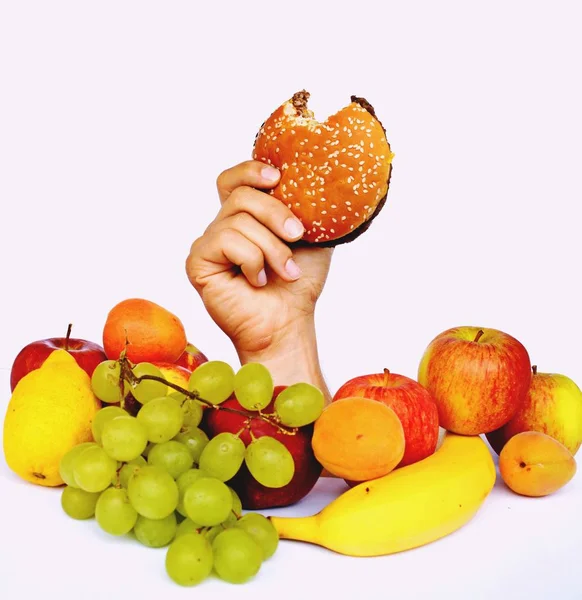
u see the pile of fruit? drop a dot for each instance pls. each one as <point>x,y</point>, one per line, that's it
<point>140,461</point>
<point>152,439</point>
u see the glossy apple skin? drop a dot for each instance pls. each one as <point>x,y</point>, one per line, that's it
<point>553,406</point>
<point>253,495</point>
<point>87,354</point>
<point>191,358</point>
<point>412,403</point>
<point>478,381</point>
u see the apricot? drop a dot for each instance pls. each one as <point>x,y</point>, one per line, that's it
<point>358,439</point>
<point>152,333</point>
<point>534,464</point>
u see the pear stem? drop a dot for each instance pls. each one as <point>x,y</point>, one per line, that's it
<point>127,375</point>
<point>68,336</point>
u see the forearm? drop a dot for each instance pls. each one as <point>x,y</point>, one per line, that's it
<point>292,356</point>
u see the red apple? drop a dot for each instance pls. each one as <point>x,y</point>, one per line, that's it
<point>87,354</point>
<point>553,406</point>
<point>253,495</point>
<point>191,358</point>
<point>412,403</point>
<point>478,377</point>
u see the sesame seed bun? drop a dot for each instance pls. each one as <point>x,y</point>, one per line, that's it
<point>334,174</point>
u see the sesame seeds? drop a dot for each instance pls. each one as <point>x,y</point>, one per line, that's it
<point>326,163</point>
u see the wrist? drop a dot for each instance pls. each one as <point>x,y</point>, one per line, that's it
<point>291,356</point>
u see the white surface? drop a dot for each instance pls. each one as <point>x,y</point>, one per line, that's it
<point>515,548</point>
<point>116,118</point>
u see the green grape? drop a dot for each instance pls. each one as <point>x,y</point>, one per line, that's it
<point>77,503</point>
<point>147,389</point>
<point>299,404</point>
<point>262,531</point>
<point>153,492</point>
<point>193,412</point>
<point>236,510</point>
<point>162,419</point>
<point>124,438</point>
<point>213,381</point>
<point>187,526</point>
<point>103,416</point>
<point>207,501</point>
<point>237,557</point>
<point>189,559</point>
<point>67,463</point>
<point>155,533</point>
<point>133,466</point>
<point>223,456</point>
<point>105,382</point>
<point>183,481</point>
<point>269,462</point>
<point>253,386</point>
<point>171,456</point>
<point>212,532</point>
<point>195,439</point>
<point>147,449</point>
<point>177,396</point>
<point>114,512</point>
<point>94,469</point>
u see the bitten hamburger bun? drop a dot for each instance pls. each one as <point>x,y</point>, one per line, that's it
<point>334,175</point>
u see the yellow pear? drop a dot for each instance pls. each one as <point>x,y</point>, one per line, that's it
<point>50,412</point>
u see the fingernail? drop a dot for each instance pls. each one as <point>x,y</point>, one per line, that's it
<point>269,173</point>
<point>292,269</point>
<point>293,227</point>
<point>262,277</point>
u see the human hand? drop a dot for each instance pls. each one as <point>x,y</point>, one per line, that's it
<point>261,292</point>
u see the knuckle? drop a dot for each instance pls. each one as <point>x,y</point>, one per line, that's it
<point>227,236</point>
<point>222,177</point>
<point>238,198</point>
<point>241,220</point>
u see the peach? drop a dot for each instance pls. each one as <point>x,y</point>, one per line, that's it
<point>174,374</point>
<point>191,358</point>
<point>358,439</point>
<point>150,332</point>
<point>534,464</point>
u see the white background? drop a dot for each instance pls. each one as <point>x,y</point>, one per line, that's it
<point>116,118</point>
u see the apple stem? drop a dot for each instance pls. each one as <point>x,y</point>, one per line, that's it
<point>127,375</point>
<point>386,377</point>
<point>534,369</point>
<point>68,336</point>
<point>478,336</point>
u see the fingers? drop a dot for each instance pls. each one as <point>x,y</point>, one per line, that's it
<point>274,252</point>
<point>219,251</point>
<point>268,211</point>
<point>252,173</point>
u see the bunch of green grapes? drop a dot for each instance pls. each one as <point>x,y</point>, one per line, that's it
<point>158,476</point>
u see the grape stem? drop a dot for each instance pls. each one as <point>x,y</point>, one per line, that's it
<point>127,374</point>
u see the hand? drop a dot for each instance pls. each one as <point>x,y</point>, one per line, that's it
<point>258,290</point>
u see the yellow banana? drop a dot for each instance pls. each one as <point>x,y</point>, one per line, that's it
<point>409,507</point>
